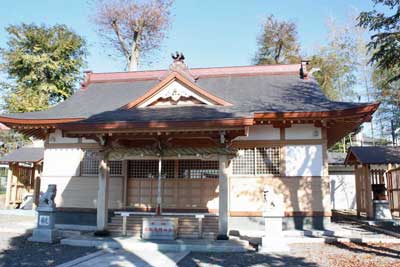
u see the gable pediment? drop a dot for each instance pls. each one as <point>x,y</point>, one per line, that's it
<point>176,90</point>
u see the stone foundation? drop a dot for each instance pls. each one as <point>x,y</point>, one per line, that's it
<point>289,223</point>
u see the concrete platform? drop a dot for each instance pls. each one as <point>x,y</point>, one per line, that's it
<point>122,258</point>
<point>180,245</point>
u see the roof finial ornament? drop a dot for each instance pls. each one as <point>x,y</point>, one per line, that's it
<point>180,66</point>
<point>178,56</point>
<point>303,69</point>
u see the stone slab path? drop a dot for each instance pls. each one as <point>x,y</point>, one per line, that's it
<point>124,258</point>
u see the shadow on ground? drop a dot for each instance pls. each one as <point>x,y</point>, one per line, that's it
<point>16,251</point>
<point>242,259</point>
<point>373,249</point>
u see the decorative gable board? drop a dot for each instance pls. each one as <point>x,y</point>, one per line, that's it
<point>177,94</point>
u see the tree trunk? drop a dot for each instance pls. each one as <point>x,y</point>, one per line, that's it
<point>135,52</point>
<point>134,61</point>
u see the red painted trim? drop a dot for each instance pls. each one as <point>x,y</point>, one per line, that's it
<point>7,120</point>
<point>198,72</point>
<point>356,112</point>
<point>158,124</point>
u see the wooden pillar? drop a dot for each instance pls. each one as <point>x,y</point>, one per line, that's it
<point>223,208</point>
<point>358,188</point>
<point>125,184</point>
<point>368,192</point>
<point>9,181</point>
<point>102,194</point>
<point>159,190</point>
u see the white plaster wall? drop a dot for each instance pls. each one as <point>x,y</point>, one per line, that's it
<point>61,161</point>
<point>303,131</point>
<point>261,132</point>
<point>304,160</point>
<point>342,191</point>
<point>56,137</point>
<point>88,141</point>
<point>37,143</point>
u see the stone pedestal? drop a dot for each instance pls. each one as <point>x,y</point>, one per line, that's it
<point>45,231</point>
<point>273,240</point>
<point>382,210</point>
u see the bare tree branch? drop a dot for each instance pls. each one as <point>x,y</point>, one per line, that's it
<point>133,27</point>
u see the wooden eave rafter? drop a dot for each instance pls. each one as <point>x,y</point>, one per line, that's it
<point>175,76</point>
<point>338,123</point>
<point>156,126</point>
<point>348,113</point>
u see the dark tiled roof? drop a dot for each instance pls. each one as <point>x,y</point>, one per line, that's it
<point>373,155</point>
<point>101,101</point>
<point>24,154</point>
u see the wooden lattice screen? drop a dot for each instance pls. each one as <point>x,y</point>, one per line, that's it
<point>393,189</point>
<point>377,176</point>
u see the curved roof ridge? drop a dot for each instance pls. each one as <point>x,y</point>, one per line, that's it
<point>199,72</point>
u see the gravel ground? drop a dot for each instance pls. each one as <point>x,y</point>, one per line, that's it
<point>16,250</point>
<point>310,255</point>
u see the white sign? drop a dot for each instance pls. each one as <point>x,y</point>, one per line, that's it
<point>159,228</point>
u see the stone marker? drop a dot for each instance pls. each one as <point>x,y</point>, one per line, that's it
<point>273,240</point>
<point>45,231</point>
<point>159,227</point>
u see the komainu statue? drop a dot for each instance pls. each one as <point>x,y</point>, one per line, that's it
<point>47,199</point>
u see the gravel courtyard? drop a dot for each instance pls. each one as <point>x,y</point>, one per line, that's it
<point>16,250</point>
<point>310,255</point>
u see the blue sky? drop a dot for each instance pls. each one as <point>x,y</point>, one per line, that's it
<point>209,33</point>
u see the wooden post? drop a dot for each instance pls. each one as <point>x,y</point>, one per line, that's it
<point>223,198</point>
<point>102,194</point>
<point>125,184</point>
<point>9,181</point>
<point>358,189</point>
<point>14,183</point>
<point>159,196</point>
<point>368,192</point>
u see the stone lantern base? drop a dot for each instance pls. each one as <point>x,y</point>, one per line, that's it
<point>273,241</point>
<point>45,231</point>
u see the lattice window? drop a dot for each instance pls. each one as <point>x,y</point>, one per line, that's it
<point>90,165</point>
<point>173,169</point>
<point>267,160</point>
<point>197,169</point>
<point>115,167</point>
<point>260,160</point>
<point>142,168</point>
<point>244,162</point>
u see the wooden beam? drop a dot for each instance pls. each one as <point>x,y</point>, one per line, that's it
<point>368,192</point>
<point>9,181</point>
